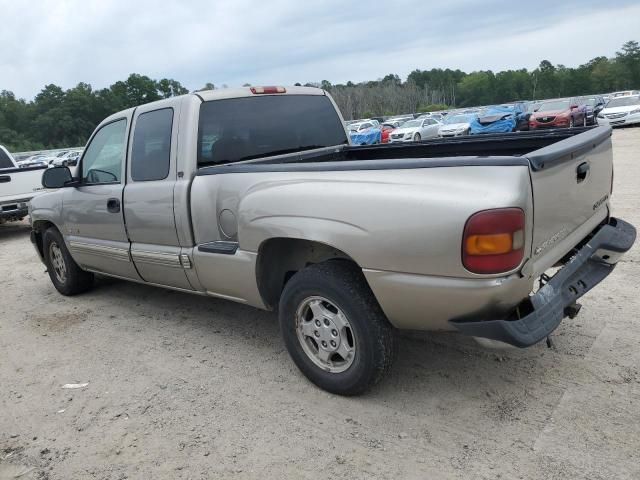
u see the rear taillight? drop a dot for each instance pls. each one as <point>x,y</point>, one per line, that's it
<point>493,240</point>
<point>268,90</point>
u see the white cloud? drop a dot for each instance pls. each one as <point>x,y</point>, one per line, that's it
<point>285,41</point>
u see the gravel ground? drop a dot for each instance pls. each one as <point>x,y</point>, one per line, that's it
<point>181,386</point>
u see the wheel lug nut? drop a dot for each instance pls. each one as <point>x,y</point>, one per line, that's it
<point>318,323</point>
<point>326,322</point>
<point>316,333</point>
<point>334,332</point>
<point>324,344</point>
<point>333,344</point>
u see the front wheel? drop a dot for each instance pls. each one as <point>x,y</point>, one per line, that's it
<point>572,122</point>
<point>334,329</point>
<point>65,274</point>
<point>417,137</point>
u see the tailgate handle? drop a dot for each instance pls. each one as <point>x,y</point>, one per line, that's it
<point>582,171</point>
<point>5,179</point>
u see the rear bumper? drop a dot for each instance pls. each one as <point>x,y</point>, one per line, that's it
<point>15,211</point>
<point>546,309</point>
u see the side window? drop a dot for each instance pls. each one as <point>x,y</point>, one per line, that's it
<point>103,158</point>
<point>151,153</point>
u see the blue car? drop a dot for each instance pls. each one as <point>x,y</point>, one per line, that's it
<point>501,119</point>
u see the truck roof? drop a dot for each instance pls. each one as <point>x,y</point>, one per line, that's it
<point>222,94</point>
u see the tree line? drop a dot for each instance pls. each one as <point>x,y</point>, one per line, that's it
<point>61,118</point>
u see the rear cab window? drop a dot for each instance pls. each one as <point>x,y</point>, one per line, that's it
<point>237,129</point>
<point>5,161</point>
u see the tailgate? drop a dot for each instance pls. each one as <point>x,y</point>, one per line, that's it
<point>20,183</point>
<point>571,183</point>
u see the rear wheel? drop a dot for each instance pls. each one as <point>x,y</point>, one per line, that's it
<point>65,274</point>
<point>334,329</point>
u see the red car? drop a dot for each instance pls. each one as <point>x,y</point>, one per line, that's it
<point>386,129</point>
<point>558,114</point>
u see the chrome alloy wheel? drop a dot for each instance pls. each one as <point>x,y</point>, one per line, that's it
<point>325,334</point>
<point>57,262</point>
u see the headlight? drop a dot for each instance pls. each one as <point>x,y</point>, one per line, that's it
<point>600,115</point>
<point>633,112</point>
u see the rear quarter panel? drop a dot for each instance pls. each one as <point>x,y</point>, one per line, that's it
<point>389,220</point>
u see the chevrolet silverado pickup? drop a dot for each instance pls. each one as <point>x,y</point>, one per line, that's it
<point>17,187</point>
<point>255,195</point>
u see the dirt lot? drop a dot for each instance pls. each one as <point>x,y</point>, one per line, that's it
<point>181,386</point>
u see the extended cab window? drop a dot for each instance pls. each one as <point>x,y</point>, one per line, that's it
<point>5,161</point>
<point>102,161</point>
<point>150,156</point>
<point>239,129</point>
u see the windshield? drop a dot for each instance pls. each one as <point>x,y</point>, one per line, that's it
<point>557,105</point>
<point>623,102</point>
<point>411,123</point>
<point>238,129</point>
<point>457,119</point>
<point>590,101</point>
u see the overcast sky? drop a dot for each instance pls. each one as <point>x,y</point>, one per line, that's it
<point>287,41</point>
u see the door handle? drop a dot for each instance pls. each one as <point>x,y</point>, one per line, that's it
<point>582,171</point>
<point>113,205</point>
<point>5,179</point>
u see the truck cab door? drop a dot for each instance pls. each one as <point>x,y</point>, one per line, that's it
<point>149,196</point>
<point>93,221</point>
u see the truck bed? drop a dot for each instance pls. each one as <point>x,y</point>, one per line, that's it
<point>539,149</point>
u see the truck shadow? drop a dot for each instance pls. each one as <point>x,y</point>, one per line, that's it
<point>13,230</point>
<point>447,365</point>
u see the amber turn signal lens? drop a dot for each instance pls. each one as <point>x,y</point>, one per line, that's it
<point>493,240</point>
<point>489,244</point>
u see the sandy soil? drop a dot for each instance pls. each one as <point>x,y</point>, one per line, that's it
<point>181,386</point>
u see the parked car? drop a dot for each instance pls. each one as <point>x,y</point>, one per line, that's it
<point>32,162</point>
<point>369,136</point>
<point>435,116</point>
<point>624,93</point>
<point>566,112</point>
<point>361,126</point>
<point>455,125</point>
<point>415,130</point>
<point>346,243</point>
<point>67,159</point>
<point>594,104</point>
<point>621,111</point>
<point>17,186</point>
<point>385,130</point>
<point>501,119</point>
<point>399,120</point>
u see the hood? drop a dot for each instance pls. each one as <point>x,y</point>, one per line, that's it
<point>455,126</point>
<point>626,108</point>
<point>550,113</point>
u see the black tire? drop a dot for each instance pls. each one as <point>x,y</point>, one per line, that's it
<point>417,137</point>
<point>584,120</point>
<point>75,280</point>
<point>571,122</point>
<point>374,339</point>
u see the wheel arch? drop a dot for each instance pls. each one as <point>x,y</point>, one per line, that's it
<point>279,258</point>
<point>38,228</point>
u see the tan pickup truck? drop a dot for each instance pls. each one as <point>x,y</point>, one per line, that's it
<point>255,195</point>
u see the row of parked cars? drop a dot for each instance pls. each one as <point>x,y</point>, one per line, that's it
<point>62,158</point>
<point>618,108</point>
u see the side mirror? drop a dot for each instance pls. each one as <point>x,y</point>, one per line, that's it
<point>56,177</point>
<point>574,107</point>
